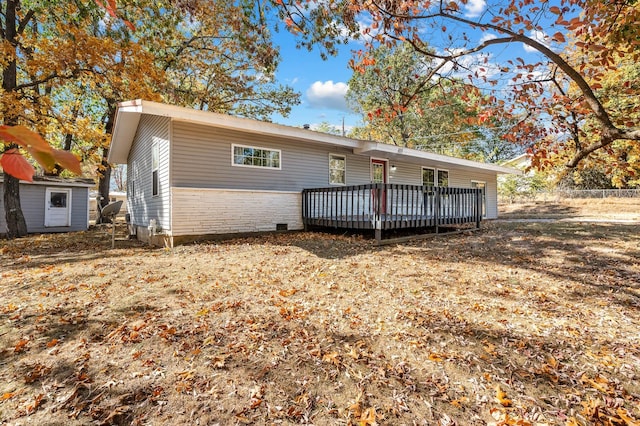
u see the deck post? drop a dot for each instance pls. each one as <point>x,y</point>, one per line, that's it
<point>436,213</point>
<point>305,213</point>
<point>478,207</point>
<point>378,212</point>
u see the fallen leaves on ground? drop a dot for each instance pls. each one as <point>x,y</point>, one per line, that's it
<point>518,324</point>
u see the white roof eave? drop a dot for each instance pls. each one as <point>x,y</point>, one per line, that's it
<point>413,155</point>
<point>128,118</point>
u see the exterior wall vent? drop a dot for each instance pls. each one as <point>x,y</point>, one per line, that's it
<point>282,227</point>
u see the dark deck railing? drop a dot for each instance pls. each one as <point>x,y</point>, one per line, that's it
<point>382,207</point>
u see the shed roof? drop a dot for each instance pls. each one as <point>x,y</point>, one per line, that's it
<point>129,112</point>
<point>57,181</point>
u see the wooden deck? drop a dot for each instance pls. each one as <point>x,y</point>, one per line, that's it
<point>384,207</point>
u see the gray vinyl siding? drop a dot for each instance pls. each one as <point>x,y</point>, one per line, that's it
<point>32,202</point>
<point>201,158</point>
<point>141,204</point>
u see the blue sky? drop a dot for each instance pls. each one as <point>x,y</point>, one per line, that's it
<point>323,83</point>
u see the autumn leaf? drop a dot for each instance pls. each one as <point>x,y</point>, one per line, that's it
<point>51,343</point>
<point>36,403</point>
<point>501,397</point>
<point>67,160</point>
<point>24,137</point>
<point>629,421</point>
<point>368,417</point>
<point>16,165</point>
<point>8,395</point>
<point>332,358</point>
<point>559,37</point>
<point>435,357</point>
<point>21,345</point>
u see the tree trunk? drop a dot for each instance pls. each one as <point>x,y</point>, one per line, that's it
<point>104,172</point>
<point>16,225</point>
<point>103,184</point>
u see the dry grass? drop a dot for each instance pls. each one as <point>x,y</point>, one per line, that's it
<point>520,323</point>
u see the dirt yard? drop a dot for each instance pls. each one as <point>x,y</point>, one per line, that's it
<point>517,324</point>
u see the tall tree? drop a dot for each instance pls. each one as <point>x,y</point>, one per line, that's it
<point>213,55</point>
<point>74,61</point>
<point>617,165</point>
<point>457,34</point>
<point>403,98</point>
<point>10,28</point>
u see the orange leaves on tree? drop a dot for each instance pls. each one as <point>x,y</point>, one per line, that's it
<point>555,9</point>
<point>16,165</point>
<point>559,37</point>
<point>67,160</point>
<point>111,7</point>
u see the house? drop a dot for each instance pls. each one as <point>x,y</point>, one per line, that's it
<point>520,162</point>
<point>52,204</point>
<point>193,174</point>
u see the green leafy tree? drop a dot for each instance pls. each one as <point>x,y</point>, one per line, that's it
<point>326,127</point>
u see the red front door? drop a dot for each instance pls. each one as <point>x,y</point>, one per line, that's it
<point>379,175</point>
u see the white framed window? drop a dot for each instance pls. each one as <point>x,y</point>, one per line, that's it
<point>253,156</point>
<point>435,177</point>
<point>443,178</point>
<point>337,169</point>
<point>155,163</point>
<point>428,176</point>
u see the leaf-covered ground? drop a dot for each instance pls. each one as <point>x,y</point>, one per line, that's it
<point>519,323</point>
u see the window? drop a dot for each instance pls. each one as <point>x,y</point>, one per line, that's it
<point>428,176</point>
<point>249,156</point>
<point>443,178</point>
<point>337,169</point>
<point>58,199</point>
<point>155,161</point>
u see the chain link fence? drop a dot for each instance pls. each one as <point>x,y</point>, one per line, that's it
<point>563,194</point>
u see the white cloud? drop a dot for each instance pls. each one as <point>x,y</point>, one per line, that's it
<point>328,95</point>
<point>487,36</point>
<point>539,36</point>
<point>475,8</point>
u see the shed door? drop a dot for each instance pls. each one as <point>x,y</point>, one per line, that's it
<point>57,207</point>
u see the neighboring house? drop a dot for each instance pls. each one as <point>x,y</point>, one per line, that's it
<point>521,162</point>
<point>113,196</point>
<point>524,186</point>
<point>52,204</point>
<point>192,174</point>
